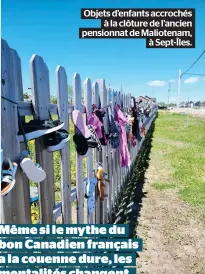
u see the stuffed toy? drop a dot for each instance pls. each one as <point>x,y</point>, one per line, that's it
<point>102,178</point>
<point>143,130</point>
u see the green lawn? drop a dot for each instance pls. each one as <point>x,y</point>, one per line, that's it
<point>180,143</point>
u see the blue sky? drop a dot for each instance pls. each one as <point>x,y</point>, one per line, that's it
<point>49,28</point>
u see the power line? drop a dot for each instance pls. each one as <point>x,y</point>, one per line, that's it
<point>195,74</point>
<point>193,63</point>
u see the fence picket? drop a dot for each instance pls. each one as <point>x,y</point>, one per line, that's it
<point>11,88</point>
<point>41,99</point>
<point>79,159</point>
<point>98,155</point>
<point>88,105</point>
<point>103,100</point>
<point>62,97</point>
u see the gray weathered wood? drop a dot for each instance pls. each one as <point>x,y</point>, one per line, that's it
<point>98,155</point>
<point>118,154</point>
<point>79,159</point>
<point>103,100</point>
<point>114,156</point>
<point>62,97</point>
<point>110,175</point>
<point>23,190</point>
<point>25,108</point>
<point>88,105</point>
<point>14,206</point>
<point>41,99</point>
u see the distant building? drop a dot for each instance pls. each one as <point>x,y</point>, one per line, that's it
<point>203,104</point>
<point>197,104</point>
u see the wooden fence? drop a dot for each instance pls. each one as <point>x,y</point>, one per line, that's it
<point>16,206</point>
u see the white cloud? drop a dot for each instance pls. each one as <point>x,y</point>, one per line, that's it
<point>157,83</point>
<point>191,80</point>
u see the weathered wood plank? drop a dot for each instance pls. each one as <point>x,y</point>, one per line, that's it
<point>41,98</point>
<point>88,105</point>
<point>25,108</point>
<point>62,98</point>
<point>23,190</point>
<point>103,100</point>
<point>79,159</point>
<point>114,156</point>
<point>110,174</point>
<point>11,87</point>
<point>118,154</point>
<point>98,155</point>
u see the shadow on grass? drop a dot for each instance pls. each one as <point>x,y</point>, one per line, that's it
<point>130,200</point>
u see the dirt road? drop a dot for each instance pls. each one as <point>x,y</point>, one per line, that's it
<point>190,111</point>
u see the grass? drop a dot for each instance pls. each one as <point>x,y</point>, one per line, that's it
<point>181,142</point>
<point>162,186</point>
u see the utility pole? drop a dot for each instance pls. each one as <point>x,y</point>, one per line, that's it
<point>179,86</point>
<point>169,89</point>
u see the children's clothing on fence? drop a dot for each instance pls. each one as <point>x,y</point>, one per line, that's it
<point>114,130</point>
<point>124,152</point>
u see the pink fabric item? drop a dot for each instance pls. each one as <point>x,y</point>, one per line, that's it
<point>95,122</point>
<point>124,152</point>
<point>77,119</point>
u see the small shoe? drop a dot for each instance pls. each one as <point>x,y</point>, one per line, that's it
<point>77,119</point>
<point>56,140</point>
<point>34,172</point>
<point>36,128</point>
<point>81,144</point>
<point>8,177</point>
<point>92,143</point>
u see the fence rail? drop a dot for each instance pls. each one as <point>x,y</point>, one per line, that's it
<point>16,206</point>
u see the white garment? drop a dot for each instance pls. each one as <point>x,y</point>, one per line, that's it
<point>90,191</point>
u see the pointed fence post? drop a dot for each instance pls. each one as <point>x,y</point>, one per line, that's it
<point>79,159</point>
<point>41,100</point>
<point>98,155</point>
<point>62,97</point>
<point>88,105</point>
<point>15,207</point>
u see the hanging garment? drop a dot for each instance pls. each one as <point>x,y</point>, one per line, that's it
<point>96,121</point>
<point>77,119</point>
<point>114,130</point>
<point>100,114</point>
<point>83,137</point>
<point>135,124</point>
<point>94,139</point>
<point>90,193</point>
<point>124,152</point>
